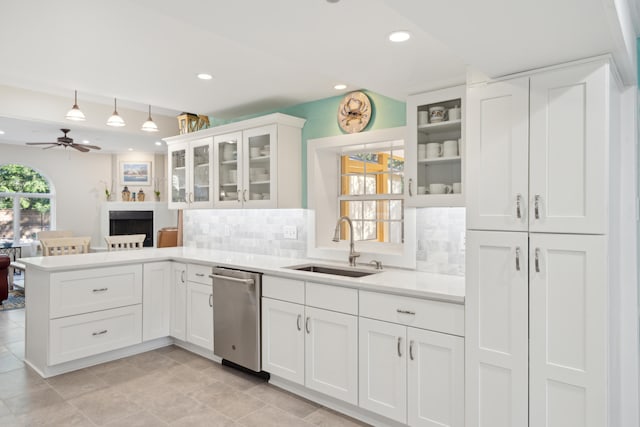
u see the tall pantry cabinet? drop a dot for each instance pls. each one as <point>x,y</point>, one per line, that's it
<point>538,347</point>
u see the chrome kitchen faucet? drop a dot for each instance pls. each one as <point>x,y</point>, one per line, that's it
<point>336,238</point>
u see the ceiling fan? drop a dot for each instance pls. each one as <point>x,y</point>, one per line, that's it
<point>65,141</point>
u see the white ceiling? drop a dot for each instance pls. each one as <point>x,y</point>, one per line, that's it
<point>270,54</point>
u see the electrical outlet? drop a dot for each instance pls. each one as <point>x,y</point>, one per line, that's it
<point>290,232</point>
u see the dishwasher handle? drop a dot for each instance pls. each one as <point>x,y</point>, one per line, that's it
<point>232,279</point>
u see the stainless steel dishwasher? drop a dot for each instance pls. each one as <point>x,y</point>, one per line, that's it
<point>236,316</point>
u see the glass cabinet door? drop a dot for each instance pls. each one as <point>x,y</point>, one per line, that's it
<point>259,155</point>
<point>228,181</point>
<point>201,174</point>
<point>178,176</point>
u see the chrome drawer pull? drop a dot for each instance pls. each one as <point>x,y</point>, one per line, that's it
<point>413,313</point>
<point>411,349</point>
<point>298,322</point>
<point>200,274</point>
<point>99,333</point>
<point>306,325</point>
<point>399,344</point>
<point>101,290</point>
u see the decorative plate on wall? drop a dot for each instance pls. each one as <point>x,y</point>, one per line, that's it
<point>354,112</point>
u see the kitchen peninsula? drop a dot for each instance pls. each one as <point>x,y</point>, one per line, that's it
<point>87,309</point>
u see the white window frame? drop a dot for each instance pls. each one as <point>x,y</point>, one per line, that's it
<point>323,198</point>
<point>17,233</point>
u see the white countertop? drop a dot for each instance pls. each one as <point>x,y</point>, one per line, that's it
<point>390,280</point>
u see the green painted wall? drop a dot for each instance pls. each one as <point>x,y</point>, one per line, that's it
<point>322,121</point>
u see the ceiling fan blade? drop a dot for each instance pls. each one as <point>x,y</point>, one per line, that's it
<point>49,148</point>
<point>79,148</point>
<point>42,143</point>
<point>93,147</point>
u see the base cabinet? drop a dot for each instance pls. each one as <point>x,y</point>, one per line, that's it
<point>200,315</point>
<point>311,347</point>
<point>178,322</point>
<point>156,292</point>
<point>411,375</point>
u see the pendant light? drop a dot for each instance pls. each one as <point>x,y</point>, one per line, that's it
<point>115,120</point>
<point>75,114</point>
<point>149,125</point>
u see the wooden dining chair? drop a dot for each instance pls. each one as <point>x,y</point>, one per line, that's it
<point>65,245</point>
<point>125,242</point>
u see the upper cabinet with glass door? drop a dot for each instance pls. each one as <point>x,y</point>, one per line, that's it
<point>254,163</point>
<point>435,148</point>
<point>190,178</point>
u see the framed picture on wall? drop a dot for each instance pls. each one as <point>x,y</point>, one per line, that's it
<point>135,173</point>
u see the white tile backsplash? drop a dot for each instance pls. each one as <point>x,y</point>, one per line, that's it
<point>439,232</point>
<point>258,231</point>
<point>440,240</point>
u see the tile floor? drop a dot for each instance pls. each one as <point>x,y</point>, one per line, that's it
<point>168,386</point>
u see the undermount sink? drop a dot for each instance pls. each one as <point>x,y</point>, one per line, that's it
<point>328,269</point>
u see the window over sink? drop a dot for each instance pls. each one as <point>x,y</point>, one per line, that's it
<point>360,176</point>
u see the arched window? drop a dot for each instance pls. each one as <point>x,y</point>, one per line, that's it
<point>26,203</point>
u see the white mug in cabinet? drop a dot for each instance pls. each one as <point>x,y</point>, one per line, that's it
<point>422,189</point>
<point>436,114</point>
<point>450,148</point>
<point>433,150</point>
<point>254,151</point>
<point>457,187</point>
<point>422,151</point>
<point>454,113</point>
<point>423,117</point>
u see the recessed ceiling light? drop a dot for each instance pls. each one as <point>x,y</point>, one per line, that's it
<point>130,149</point>
<point>340,86</point>
<point>205,76</point>
<point>1,132</point>
<point>158,142</point>
<point>399,36</point>
<point>85,141</point>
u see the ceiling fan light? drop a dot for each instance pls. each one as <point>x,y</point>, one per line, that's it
<point>75,114</point>
<point>149,125</point>
<point>115,120</point>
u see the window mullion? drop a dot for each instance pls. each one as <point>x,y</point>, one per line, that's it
<point>17,235</point>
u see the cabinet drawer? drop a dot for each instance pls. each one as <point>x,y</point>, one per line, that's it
<point>283,289</point>
<point>425,314</point>
<point>199,274</point>
<point>84,335</point>
<point>84,291</point>
<point>336,298</point>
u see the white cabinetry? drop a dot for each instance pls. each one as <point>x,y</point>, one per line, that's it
<point>425,166</point>
<point>538,306</point>
<point>257,165</point>
<point>199,306</point>
<point>325,360</point>
<point>190,174</point>
<point>156,293</point>
<point>178,327</point>
<point>408,374</point>
<point>545,172</point>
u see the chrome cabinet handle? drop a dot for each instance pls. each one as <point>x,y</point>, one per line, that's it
<point>399,310</point>
<point>99,333</point>
<point>101,290</point>
<point>536,206</point>
<point>298,322</point>
<point>244,195</point>
<point>239,196</point>
<point>211,300</point>
<point>518,258</point>
<point>200,274</point>
<point>411,349</point>
<point>399,344</point>
<point>410,189</point>
<point>537,260</point>
<point>519,206</point>
<point>306,325</point>
<point>182,276</point>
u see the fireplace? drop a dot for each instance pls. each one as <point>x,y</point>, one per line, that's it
<point>132,222</point>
